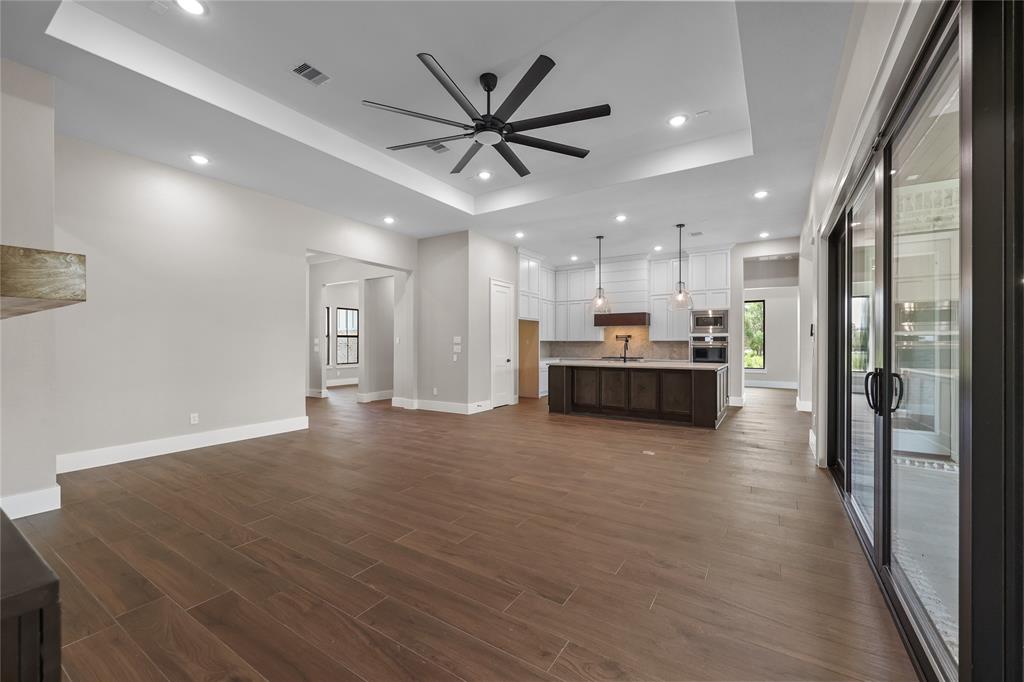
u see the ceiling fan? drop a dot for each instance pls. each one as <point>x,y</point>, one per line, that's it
<point>496,129</point>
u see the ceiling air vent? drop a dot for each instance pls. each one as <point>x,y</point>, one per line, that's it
<point>438,147</point>
<point>696,234</point>
<point>311,73</point>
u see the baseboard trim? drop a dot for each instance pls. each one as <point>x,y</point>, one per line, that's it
<point>758,383</point>
<point>316,393</point>
<point>376,395</point>
<point>442,406</point>
<point>736,401</point>
<point>350,381</point>
<point>803,405</point>
<point>114,454</point>
<point>32,502</point>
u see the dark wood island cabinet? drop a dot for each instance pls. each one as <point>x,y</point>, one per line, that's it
<point>689,393</point>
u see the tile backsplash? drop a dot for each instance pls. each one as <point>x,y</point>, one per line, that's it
<point>640,344</point>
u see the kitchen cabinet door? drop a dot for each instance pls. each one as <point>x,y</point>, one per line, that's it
<point>561,285</point>
<point>542,385</point>
<point>678,325</point>
<point>576,288</point>
<point>660,278</point>
<point>700,300</point>
<point>717,276</point>
<point>547,284</point>
<point>561,321</point>
<point>534,306</point>
<point>524,273</point>
<point>534,276</point>
<point>591,332</point>
<point>576,315</point>
<point>659,330</point>
<point>547,321</point>
<point>718,298</point>
<point>524,305</point>
<point>698,272</point>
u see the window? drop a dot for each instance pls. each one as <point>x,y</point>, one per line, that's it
<point>347,336</point>
<point>327,335</point>
<point>753,335</point>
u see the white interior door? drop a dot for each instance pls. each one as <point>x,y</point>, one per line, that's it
<point>502,377</point>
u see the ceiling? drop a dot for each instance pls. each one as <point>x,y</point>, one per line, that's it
<point>150,80</point>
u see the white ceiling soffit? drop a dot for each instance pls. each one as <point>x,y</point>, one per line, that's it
<point>554,176</point>
<point>104,38</point>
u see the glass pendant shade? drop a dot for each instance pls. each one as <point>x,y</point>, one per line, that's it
<point>681,299</point>
<point>599,303</point>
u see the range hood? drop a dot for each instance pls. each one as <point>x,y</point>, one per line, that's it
<point>622,320</point>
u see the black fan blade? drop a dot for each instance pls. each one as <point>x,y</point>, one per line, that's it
<point>470,153</point>
<point>547,145</point>
<point>559,119</point>
<point>513,160</point>
<point>416,114</point>
<point>530,80</point>
<point>436,140</point>
<point>448,84</point>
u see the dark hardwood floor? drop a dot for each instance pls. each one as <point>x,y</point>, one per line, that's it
<point>385,544</point>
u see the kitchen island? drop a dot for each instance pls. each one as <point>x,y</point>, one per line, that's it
<point>666,390</point>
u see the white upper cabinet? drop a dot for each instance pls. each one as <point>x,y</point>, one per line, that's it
<point>668,325</point>
<point>665,274</point>
<point>561,321</point>
<point>529,274</point>
<point>718,270</point>
<point>577,289</point>
<point>524,273</point>
<point>709,271</point>
<point>534,276</point>
<point>561,285</point>
<point>547,284</point>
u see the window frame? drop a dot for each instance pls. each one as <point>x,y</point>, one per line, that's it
<point>327,336</point>
<point>337,336</point>
<point>764,334</point>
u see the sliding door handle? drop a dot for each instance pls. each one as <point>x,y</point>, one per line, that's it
<point>869,390</point>
<point>898,391</point>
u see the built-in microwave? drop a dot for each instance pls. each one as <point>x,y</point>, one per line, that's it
<point>709,322</point>
<point>709,349</point>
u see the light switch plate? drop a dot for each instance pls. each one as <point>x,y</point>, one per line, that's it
<point>455,358</point>
<point>456,339</point>
<point>456,349</point>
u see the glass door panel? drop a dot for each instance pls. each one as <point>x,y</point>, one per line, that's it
<point>861,338</point>
<point>925,374</point>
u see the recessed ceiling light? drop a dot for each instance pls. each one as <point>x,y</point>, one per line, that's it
<point>484,175</point>
<point>913,177</point>
<point>192,6</point>
<point>677,120</point>
<point>389,220</point>
<point>199,159</point>
<point>620,218</point>
<point>519,235</point>
<point>657,248</point>
<point>760,194</point>
<point>763,235</point>
<point>574,258</point>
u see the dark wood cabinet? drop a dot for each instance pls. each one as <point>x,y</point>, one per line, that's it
<point>691,396</point>
<point>29,611</point>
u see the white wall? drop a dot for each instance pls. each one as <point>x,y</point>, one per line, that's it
<point>377,345</point>
<point>781,354</point>
<point>28,342</point>
<point>804,339</point>
<point>197,302</point>
<point>487,259</point>
<point>443,313</point>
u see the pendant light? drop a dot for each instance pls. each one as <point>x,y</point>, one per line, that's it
<point>600,301</point>
<point>681,299</point>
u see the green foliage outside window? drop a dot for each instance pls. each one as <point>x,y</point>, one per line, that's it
<point>753,335</point>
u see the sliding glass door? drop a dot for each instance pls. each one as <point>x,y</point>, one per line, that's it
<point>897,255</point>
<point>924,300</point>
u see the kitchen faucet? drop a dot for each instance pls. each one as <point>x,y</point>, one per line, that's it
<point>625,344</point>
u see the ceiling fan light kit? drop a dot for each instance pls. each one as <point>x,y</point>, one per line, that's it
<point>495,129</point>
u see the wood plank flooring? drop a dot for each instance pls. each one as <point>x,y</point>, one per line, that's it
<point>385,544</point>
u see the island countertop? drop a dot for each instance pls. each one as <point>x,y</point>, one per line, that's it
<point>638,364</point>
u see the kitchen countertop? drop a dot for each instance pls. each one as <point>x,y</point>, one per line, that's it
<point>649,364</point>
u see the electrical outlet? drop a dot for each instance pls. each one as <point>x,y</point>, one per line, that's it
<point>435,390</point>
<point>455,358</point>
<point>193,418</point>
